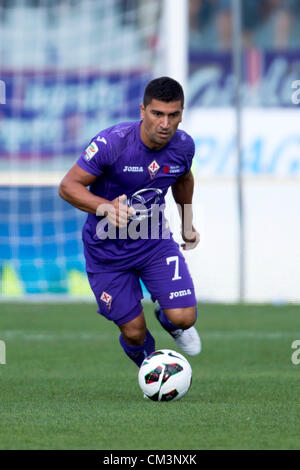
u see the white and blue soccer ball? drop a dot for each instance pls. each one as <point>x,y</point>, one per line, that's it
<point>165,375</point>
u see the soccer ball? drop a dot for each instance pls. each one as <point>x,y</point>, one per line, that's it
<point>165,375</point>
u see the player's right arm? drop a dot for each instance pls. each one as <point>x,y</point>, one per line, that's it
<point>73,189</point>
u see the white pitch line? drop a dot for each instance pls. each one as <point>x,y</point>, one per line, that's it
<point>18,334</point>
<point>251,334</point>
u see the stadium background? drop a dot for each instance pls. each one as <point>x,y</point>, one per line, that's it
<point>71,68</point>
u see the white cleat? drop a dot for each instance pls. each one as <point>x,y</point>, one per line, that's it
<point>187,340</point>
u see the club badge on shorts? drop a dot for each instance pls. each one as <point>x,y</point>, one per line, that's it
<point>153,169</point>
<point>106,298</point>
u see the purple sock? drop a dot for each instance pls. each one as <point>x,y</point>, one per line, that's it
<point>138,353</point>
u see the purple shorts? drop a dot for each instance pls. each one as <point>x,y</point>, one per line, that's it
<point>165,274</point>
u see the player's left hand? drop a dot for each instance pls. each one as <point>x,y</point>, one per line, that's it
<point>191,239</point>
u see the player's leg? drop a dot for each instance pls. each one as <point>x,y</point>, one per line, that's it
<point>119,295</point>
<point>168,280</point>
<point>174,318</point>
<point>136,339</point>
<point>179,323</point>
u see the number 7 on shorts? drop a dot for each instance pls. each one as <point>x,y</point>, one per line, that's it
<point>174,259</point>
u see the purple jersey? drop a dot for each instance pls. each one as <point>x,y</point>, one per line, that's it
<point>125,165</point>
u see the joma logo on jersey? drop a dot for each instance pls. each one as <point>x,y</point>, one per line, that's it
<point>106,298</point>
<point>133,169</point>
<point>180,293</point>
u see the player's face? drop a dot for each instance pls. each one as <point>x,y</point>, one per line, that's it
<point>160,122</point>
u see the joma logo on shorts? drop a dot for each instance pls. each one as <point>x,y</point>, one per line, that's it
<point>179,293</point>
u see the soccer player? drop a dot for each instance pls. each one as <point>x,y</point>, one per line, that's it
<point>120,179</point>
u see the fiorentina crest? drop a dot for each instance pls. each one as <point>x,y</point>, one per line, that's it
<point>106,298</point>
<point>153,169</point>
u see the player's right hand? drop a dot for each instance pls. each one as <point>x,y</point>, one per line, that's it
<point>191,239</point>
<point>119,213</point>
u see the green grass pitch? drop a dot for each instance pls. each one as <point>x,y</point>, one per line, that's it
<point>67,384</point>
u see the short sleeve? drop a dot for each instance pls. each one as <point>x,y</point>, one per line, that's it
<point>190,152</point>
<point>95,157</point>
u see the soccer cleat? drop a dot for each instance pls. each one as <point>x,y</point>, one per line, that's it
<point>187,340</point>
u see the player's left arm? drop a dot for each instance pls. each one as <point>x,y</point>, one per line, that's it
<point>183,190</point>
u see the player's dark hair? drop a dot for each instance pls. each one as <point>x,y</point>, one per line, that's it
<point>163,89</point>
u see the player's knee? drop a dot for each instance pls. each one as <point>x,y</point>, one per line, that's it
<point>185,317</point>
<point>134,337</point>
<point>189,317</point>
<point>134,331</point>
<point>187,323</point>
